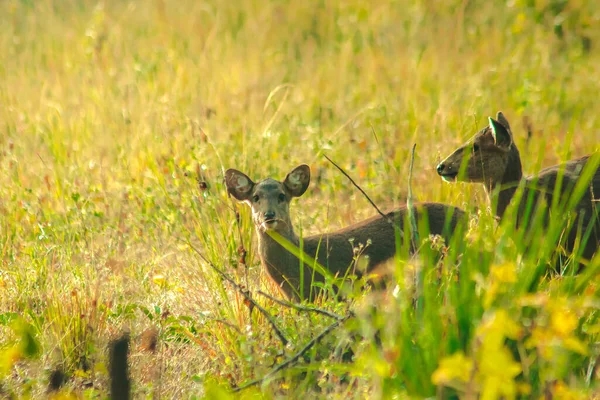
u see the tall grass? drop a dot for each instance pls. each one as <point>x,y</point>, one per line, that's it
<point>117,120</point>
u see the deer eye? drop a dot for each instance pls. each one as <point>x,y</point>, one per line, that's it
<point>255,198</point>
<point>475,148</point>
<point>281,197</point>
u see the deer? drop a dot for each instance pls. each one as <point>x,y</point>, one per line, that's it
<point>270,199</point>
<point>492,158</point>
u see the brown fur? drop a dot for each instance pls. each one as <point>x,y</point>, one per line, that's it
<point>492,158</point>
<point>270,199</point>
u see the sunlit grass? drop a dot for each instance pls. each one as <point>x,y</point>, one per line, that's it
<point>117,120</point>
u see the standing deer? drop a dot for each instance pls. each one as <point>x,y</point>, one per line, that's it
<point>270,202</point>
<point>492,158</point>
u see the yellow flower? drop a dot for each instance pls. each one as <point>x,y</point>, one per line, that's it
<point>496,366</point>
<point>563,321</point>
<point>63,395</point>
<point>519,23</point>
<point>524,388</point>
<point>497,370</point>
<point>81,373</point>
<point>490,295</point>
<point>455,367</point>
<point>506,273</point>
<point>160,280</point>
<point>497,327</point>
<point>546,340</point>
<point>8,358</point>
<point>563,392</point>
<point>539,336</point>
<point>499,276</point>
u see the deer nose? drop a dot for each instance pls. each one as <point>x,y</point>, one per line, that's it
<point>270,215</point>
<point>440,168</point>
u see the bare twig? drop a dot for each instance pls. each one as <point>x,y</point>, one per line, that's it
<point>296,356</point>
<point>300,307</point>
<point>409,202</point>
<point>244,293</point>
<point>414,235</point>
<point>356,186</point>
<point>228,324</point>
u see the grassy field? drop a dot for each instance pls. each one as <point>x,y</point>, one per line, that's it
<point>117,120</point>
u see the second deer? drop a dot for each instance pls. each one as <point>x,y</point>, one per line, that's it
<point>270,200</point>
<point>492,158</point>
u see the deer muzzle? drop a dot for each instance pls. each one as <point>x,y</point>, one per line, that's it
<point>447,172</point>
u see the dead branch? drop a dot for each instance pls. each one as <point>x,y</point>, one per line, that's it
<point>409,202</point>
<point>357,186</point>
<point>245,293</point>
<point>414,234</point>
<point>299,307</point>
<point>227,324</point>
<point>296,356</point>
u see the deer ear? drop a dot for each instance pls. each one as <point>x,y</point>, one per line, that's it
<point>502,119</point>
<point>296,182</point>
<point>238,184</point>
<point>502,136</point>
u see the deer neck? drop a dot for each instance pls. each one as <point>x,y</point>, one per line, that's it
<point>281,265</point>
<point>508,184</point>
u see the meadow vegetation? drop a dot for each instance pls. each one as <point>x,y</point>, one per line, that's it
<point>118,119</point>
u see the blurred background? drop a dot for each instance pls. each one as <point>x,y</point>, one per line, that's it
<point>118,118</point>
